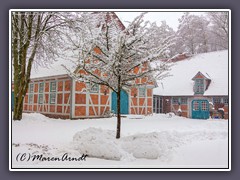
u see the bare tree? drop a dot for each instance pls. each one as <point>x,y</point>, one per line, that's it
<point>219,29</point>
<point>109,54</point>
<point>162,35</point>
<point>192,34</point>
<point>36,39</point>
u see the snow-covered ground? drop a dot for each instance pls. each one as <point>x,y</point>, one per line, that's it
<point>157,141</point>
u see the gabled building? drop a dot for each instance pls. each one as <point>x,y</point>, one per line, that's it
<point>54,93</point>
<point>197,88</point>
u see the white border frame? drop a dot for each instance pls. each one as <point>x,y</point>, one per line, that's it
<point>118,10</point>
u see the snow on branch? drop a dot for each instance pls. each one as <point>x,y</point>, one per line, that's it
<point>116,57</point>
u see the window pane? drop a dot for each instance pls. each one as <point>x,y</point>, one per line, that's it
<point>199,86</point>
<point>175,100</point>
<point>30,100</point>
<point>158,105</point>
<point>142,92</point>
<point>196,106</point>
<point>94,88</point>
<point>53,86</point>
<point>225,100</point>
<point>199,81</point>
<point>52,98</point>
<point>183,100</point>
<point>161,106</point>
<point>216,100</point>
<point>204,105</point>
<point>31,88</point>
<point>41,87</point>
<point>40,99</point>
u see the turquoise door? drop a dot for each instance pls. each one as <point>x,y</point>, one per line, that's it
<point>12,104</point>
<point>200,109</point>
<point>124,102</point>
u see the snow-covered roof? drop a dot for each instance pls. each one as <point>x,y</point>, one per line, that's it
<point>70,61</point>
<point>213,65</point>
<point>54,69</point>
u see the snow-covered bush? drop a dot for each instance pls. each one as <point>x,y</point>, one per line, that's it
<point>97,143</point>
<point>142,145</point>
<point>100,143</point>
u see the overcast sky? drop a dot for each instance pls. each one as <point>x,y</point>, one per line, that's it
<point>170,17</point>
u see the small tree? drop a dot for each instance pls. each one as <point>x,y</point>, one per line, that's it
<point>36,39</point>
<point>109,54</point>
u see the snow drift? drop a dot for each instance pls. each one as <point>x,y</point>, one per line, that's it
<point>160,140</point>
<point>101,143</point>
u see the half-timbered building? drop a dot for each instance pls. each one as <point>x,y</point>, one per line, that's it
<point>53,92</point>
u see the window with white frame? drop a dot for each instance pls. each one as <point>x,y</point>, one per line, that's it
<point>199,86</point>
<point>183,100</point>
<point>30,98</point>
<point>216,100</point>
<point>157,104</point>
<point>154,102</point>
<point>204,106</point>
<point>52,98</point>
<point>40,99</point>
<point>40,90</point>
<point>31,88</point>
<point>225,100</point>
<point>53,86</point>
<point>94,88</point>
<point>30,94</point>
<point>175,100</point>
<point>142,92</point>
<point>41,86</point>
<point>196,106</point>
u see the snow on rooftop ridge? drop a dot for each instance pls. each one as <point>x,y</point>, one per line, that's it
<point>180,57</point>
<point>212,64</point>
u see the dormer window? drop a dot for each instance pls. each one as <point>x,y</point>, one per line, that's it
<point>199,86</point>
<point>201,83</point>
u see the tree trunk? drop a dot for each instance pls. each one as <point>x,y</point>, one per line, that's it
<point>18,101</point>
<point>21,73</point>
<point>18,109</point>
<point>118,114</point>
<point>119,108</point>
